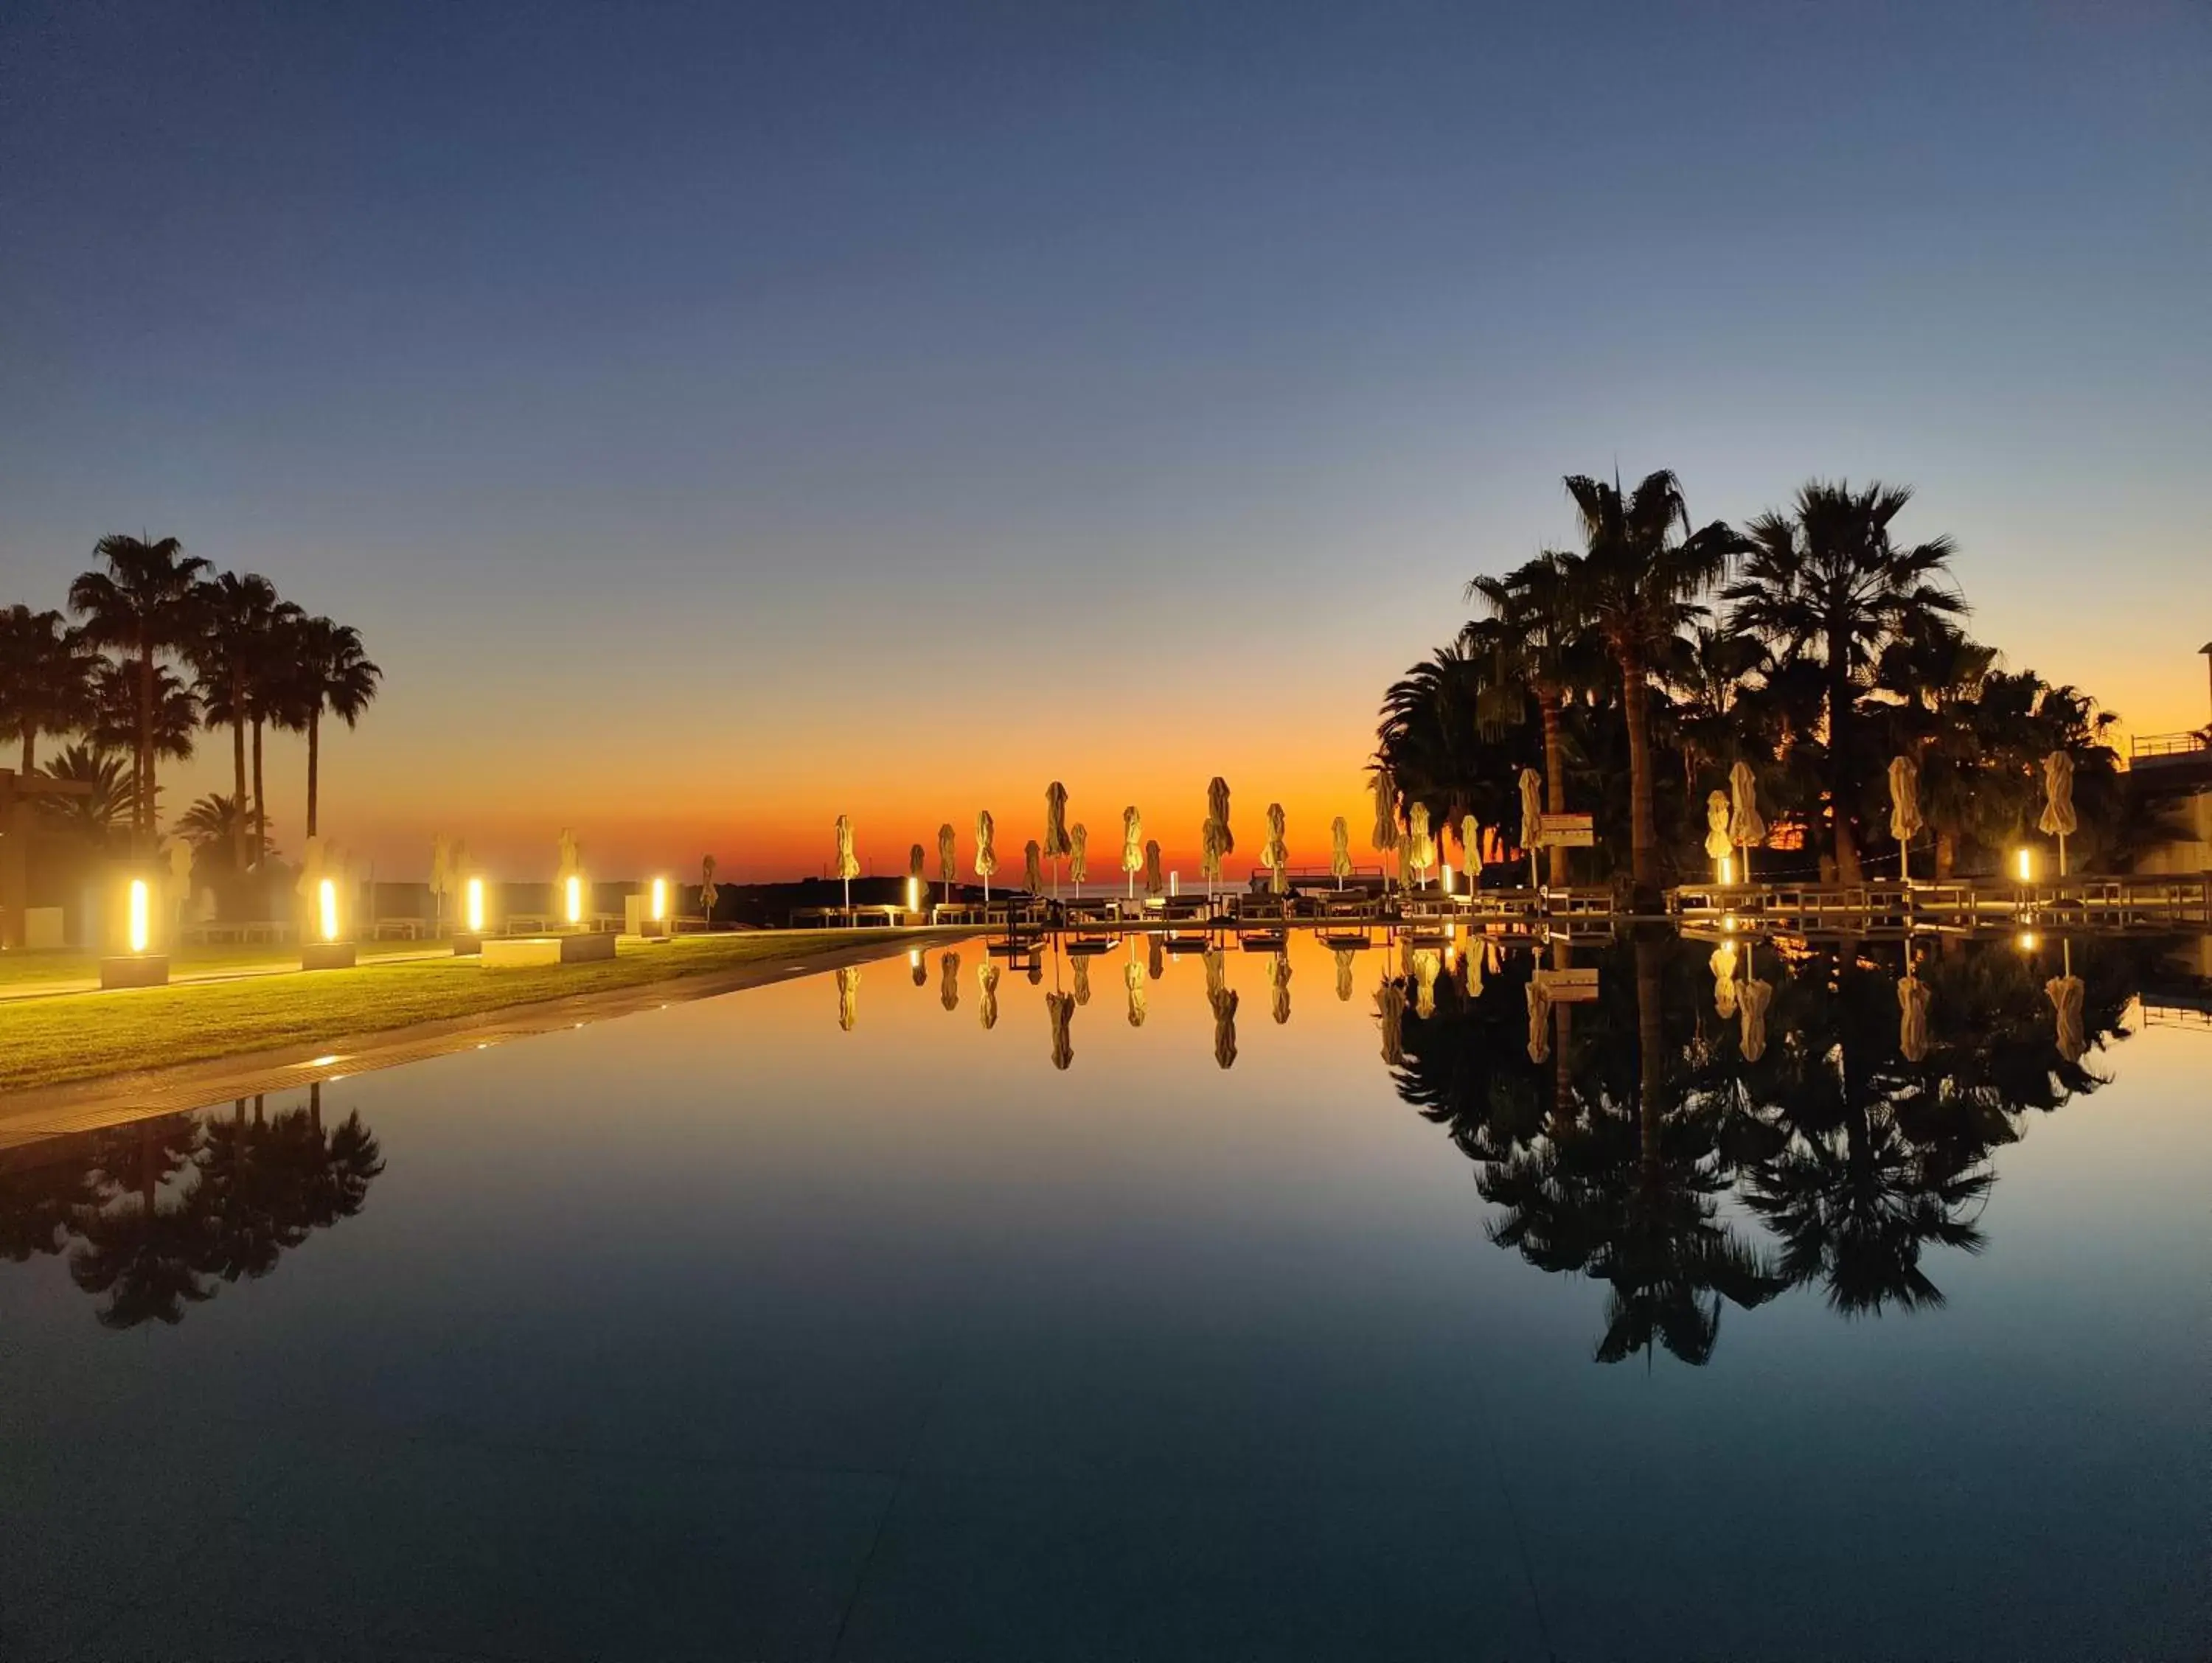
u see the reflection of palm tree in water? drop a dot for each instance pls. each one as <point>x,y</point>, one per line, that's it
<point>160,1209</point>
<point>1610,1161</point>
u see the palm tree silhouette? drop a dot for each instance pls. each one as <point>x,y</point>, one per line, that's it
<point>331,675</point>
<point>46,679</point>
<point>235,656</point>
<point>142,605</point>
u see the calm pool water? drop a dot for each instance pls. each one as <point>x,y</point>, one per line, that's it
<point>841,1321</point>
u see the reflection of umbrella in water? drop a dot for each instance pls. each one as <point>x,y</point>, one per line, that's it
<point>1225,1027</point>
<point>1344,975</point>
<point>1059,1010</point>
<point>1340,850</point>
<point>1426,964</point>
<point>948,987</point>
<point>2064,994</point>
<point>1132,977</point>
<point>1724,963</point>
<point>1471,969</point>
<point>987,978</point>
<point>1390,1012</point>
<point>920,967</point>
<point>1278,984</point>
<point>1215,981</point>
<point>1156,957</point>
<point>1539,1020</point>
<point>1912,1018</point>
<point>1752,999</point>
<point>848,995</point>
<point>1036,969</point>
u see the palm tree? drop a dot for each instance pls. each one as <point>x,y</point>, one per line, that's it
<point>92,815</point>
<point>1639,584</point>
<point>45,679</point>
<point>1828,583</point>
<point>329,674</point>
<point>216,822</point>
<point>119,719</point>
<point>1539,634</point>
<point>142,606</point>
<point>235,658</point>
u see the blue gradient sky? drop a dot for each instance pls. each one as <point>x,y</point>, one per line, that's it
<point>717,418</point>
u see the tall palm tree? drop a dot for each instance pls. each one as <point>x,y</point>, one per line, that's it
<point>120,720</point>
<point>142,605</point>
<point>1827,581</point>
<point>1541,634</point>
<point>45,679</point>
<point>235,656</point>
<point>330,675</point>
<point>1639,584</point>
<point>94,814</point>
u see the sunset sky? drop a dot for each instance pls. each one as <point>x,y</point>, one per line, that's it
<point>716,418</point>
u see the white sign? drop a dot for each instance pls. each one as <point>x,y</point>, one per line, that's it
<point>1565,831</point>
<point>1568,986</point>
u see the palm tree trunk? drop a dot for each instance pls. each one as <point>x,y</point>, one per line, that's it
<point>1643,830</point>
<point>315,751</point>
<point>30,749</point>
<point>261,803</point>
<point>1839,717</point>
<point>1649,1038</point>
<point>142,821</point>
<point>238,827</point>
<point>1555,772</point>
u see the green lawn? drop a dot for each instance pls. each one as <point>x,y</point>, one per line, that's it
<point>24,969</point>
<point>84,1037</point>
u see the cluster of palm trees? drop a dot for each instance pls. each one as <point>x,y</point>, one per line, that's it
<point>161,646</point>
<point>1815,645</point>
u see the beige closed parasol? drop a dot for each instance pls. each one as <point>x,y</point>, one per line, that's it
<point>1212,844</point>
<point>1059,1011</point>
<point>1540,1019</point>
<point>1912,1018</point>
<point>1382,836</point>
<point>1133,847</point>
<point>1745,830</point>
<point>1718,844</point>
<point>1224,1027</point>
<point>1532,822</point>
<point>1217,808</point>
<point>849,864</point>
<point>1279,986</point>
<point>1390,1017</point>
<point>1420,846</point>
<point>1156,883</point>
<point>1275,854</point>
<point>1078,854</point>
<point>1132,977</point>
<point>948,985</point>
<point>1343,956</point>
<point>948,859</point>
<point>987,850</point>
<point>1033,867</point>
<point>1340,850</point>
<point>2065,993</point>
<point>1752,999</point>
<point>1055,830</point>
<point>1903,811</point>
<point>2057,819</point>
<point>986,979</point>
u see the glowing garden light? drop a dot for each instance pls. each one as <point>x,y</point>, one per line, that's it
<point>141,908</point>
<point>473,906</point>
<point>2024,862</point>
<point>914,895</point>
<point>2026,941</point>
<point>576,900</point>
<point>659,898</point>
<point>326,900</point>
<point>1728,869</point>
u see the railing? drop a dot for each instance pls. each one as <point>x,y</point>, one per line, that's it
<point>2157,746</point>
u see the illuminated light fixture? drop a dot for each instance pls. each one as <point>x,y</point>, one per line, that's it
<point>140,930</point>
<point>2025,941</point>
<point>2026,862</point>
<point>1728,924</point>
<point>1175,883</point>
<point>659,898</point>
<point>913,954</point>
<point>1728,869</point>
<point>1451,958</point>
<point>575,901</point>
<point>475,905</point>
<point>913,898</point>
<point>1447,872</point>
<point>327,895</point>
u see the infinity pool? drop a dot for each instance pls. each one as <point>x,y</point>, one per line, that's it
<point>899,1317</point>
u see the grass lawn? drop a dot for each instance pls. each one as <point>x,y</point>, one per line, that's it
<point>84,1037</point>
<point>25,969</point>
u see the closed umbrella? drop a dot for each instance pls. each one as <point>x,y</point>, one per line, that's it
<point>948,985</point>
<point>1032,871</point>
<point>1217,808</point>
<point>1421,848</point>
<point>708,893</point>
<point>987,978</point>
<point>1055,830</point>
<point>1471,969</point>
<point>1718,845</point>
<point>1383,838</point>
<point>1225,1027</point>
<point>1752,999</point>
<point>1082,967</point>
<point>2065,993</point>
<point>1540,1019</point>
<point>947,858</point>
<point>1745,830</point>
<point>2057,819</point>
<point>1278,986</point>
<point>1343,956</point>
<point>1470,851</point>
<point>1274,854</point>
<point>848,995</point>
<point>1155,882</point>
<point>1340,850</point>
<point>1531,823</point>
<point>849,864</point>
<point>1390,1015</point>
<point>1904,809</point>
<point>1724,966</point>
<point>1212,844</point>
<point>1078,854</point>
<point>1059,1010</point>
<point>1132,977</point>
<point>1133,847</point>
<point>986,851</point>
